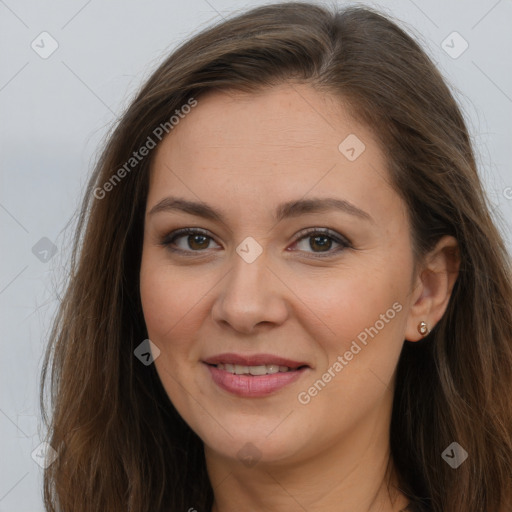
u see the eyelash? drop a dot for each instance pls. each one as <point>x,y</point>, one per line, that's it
<point>169,239</point>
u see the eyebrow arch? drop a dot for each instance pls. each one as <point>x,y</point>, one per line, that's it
<point>289,209</point>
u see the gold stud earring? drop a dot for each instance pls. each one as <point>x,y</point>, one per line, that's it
<point>423,328</point>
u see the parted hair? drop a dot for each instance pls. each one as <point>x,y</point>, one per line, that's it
<point>121,445</point>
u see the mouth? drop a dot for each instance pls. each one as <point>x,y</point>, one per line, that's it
<point>254,376</point>
<point>255,364</point>
<point>264,369</point>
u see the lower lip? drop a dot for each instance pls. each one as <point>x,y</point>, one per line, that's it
<point>253,386</point>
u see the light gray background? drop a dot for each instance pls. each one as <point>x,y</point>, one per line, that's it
<point>56,111</point>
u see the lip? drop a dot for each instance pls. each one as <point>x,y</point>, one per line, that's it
<point>253,386</point>
<point>253,360</point>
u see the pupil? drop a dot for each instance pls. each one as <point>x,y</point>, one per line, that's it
<point>323,245</point>
<point>195,237</point>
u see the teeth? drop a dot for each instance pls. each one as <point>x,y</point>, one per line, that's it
<point>264,369</point>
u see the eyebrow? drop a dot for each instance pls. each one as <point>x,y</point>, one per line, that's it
<point>286,210</point>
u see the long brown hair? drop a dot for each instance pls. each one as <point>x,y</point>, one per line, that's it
<point>121,444</point>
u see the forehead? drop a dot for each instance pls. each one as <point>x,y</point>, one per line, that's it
<point>289,117</point>
<point>276,144</point>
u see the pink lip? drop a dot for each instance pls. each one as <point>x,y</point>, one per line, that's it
<point>253,386</point>
<point>253,360</point>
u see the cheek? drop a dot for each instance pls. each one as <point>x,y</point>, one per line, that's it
<point>170,307</point>
<point>366,324</point>
<point>155,299</point>
<point>347,303</point>
<point>167,301</point>
<point>367,317</point>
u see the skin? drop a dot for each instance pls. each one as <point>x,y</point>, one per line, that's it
<point>244,154</point>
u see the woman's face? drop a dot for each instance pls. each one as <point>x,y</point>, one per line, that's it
<point>307,261</point>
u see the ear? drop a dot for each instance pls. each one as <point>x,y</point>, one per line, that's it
<point>433,285</point>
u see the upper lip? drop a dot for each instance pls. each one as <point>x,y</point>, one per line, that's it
<point>253,360</point>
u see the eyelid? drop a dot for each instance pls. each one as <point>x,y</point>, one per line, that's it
<point>324,231</point>
<point>342,240</point>
<point>177,233</point>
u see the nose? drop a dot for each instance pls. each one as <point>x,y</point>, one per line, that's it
<point>251,296</point>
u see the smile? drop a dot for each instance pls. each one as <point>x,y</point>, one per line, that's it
<point>253,381</point>
<point>265,369</point>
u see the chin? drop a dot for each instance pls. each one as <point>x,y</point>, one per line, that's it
<point>256,450</point>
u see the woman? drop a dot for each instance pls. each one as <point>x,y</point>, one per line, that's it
<point>287,292</point>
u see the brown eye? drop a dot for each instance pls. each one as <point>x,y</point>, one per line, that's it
<point>321,241</point>
<point>196,240</point>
